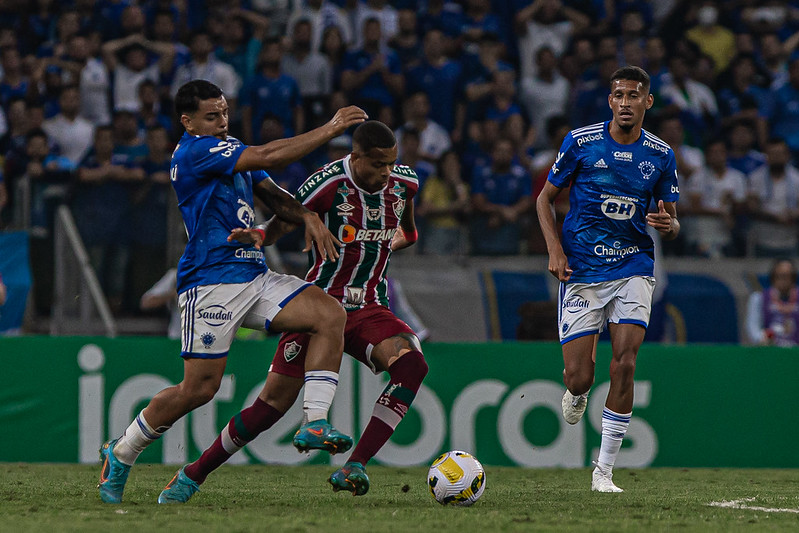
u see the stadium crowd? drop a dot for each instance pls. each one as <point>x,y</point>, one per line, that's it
<point>480,94</point>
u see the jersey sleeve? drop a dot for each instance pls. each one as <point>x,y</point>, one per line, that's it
<point>258,176</point>
<point>567,163</point>
<point>668,188</point>
<point>211,156</point>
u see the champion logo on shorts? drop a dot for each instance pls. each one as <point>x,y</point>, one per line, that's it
<point>291,350</point>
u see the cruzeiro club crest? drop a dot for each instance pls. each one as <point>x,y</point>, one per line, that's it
<point>647,169</point>
<point>291,350</point>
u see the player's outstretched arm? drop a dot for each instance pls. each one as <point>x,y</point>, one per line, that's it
<point>665,220</point>
<point>288,209</point>
<point>281,152</point>
<point>545,205</point>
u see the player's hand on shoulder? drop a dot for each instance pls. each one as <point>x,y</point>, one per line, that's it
<point>246,236</point>
<point>316,232</point>
<point>347,117</point>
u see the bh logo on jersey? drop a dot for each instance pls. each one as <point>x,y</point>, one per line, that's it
<point>245,214</point>
<point>618,209</point>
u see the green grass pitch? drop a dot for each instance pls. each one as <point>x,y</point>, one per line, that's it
<point>54,498</point>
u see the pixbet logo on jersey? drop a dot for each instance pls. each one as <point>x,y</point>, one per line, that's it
<point>347,234</point>
<point>618,208</point>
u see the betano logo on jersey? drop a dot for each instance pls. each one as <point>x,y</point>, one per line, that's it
<point>348,234</point>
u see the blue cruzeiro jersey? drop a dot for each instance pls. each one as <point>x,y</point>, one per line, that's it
<point>213,200</point>
<point>612,184</point>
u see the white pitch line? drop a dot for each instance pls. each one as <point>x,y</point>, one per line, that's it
<point>737,504</point>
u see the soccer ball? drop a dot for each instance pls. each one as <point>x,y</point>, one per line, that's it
<point>456,478</point>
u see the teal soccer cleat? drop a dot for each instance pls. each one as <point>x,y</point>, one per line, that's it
<point>179,489</point>
<point>350,477</point>
<point>320,435</point>
<point>113,476</point>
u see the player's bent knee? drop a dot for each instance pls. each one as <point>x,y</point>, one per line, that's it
<point>416,363</point>
<point>578,383</point>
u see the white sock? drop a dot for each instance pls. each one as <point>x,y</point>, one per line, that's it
<point>320,387</point>
<point>614,427</point>
<point>135,439</point>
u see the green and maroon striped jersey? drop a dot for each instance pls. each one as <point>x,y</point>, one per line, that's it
<point>364,223</point>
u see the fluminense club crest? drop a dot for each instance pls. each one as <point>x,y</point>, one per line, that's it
<point>399,207</point>
<point>291,350</point>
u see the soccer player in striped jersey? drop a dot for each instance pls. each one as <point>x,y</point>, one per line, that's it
<point>366,199</point>
<point>222,284</point>
<point>605,259</point>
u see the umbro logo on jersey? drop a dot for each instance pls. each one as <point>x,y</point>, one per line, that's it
<point>344,209</point>
<point>601,164</point>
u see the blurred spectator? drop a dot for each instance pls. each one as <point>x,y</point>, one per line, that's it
<point>545,95</point>
<point>271,91</point>
<point>774,203</point>
<point>501,194</point>
<point>150,112</point>
<point>312,72</point>
<point>444,204</point>
<point>323,14</point>
<point>784,110</point>
<point>478,75</point>
<point>409,147</point>
<point>334,49</point>
<point>479,21</point>
<point>773,57</point>
<point>443,15</point>
<point>556,130</point>
<point>101,205</point>
<point>407,43</point>
<point>590,104</point>
<point>45,182</point>
<point>715,193</point>
<point>741,97</point>
<point>694,101</point>
<point>164,30</point>
<point>47,176</point>
<point>743,155</point>
<point>503,115</point>
<point>241,45</point>
<point>92,78</point>
<point>149,214</point>
<point>372,75</point>
<point>711,37</point>
<point>375,9</point>
<point>689,158</point>
<point>772,314</point>
<point>546,23</point>
<point>441,78</point>
<point>128,143</point>
<point>129,65</point>
<point>13,82</point>
<point>433,138</point>
<point>68,130</point>
<point>17,126</point>
<point>655,63</point>
<point>205,66</point>
<point>289,177</point>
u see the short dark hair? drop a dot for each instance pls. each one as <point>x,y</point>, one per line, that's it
<point>632,73</point>
<point>373,134</point>
<point>188,98</point>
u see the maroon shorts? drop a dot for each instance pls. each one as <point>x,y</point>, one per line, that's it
<point>366,328</point>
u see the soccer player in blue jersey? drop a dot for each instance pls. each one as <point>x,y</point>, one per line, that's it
<point>605,258</point>
<point>223,285</point>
